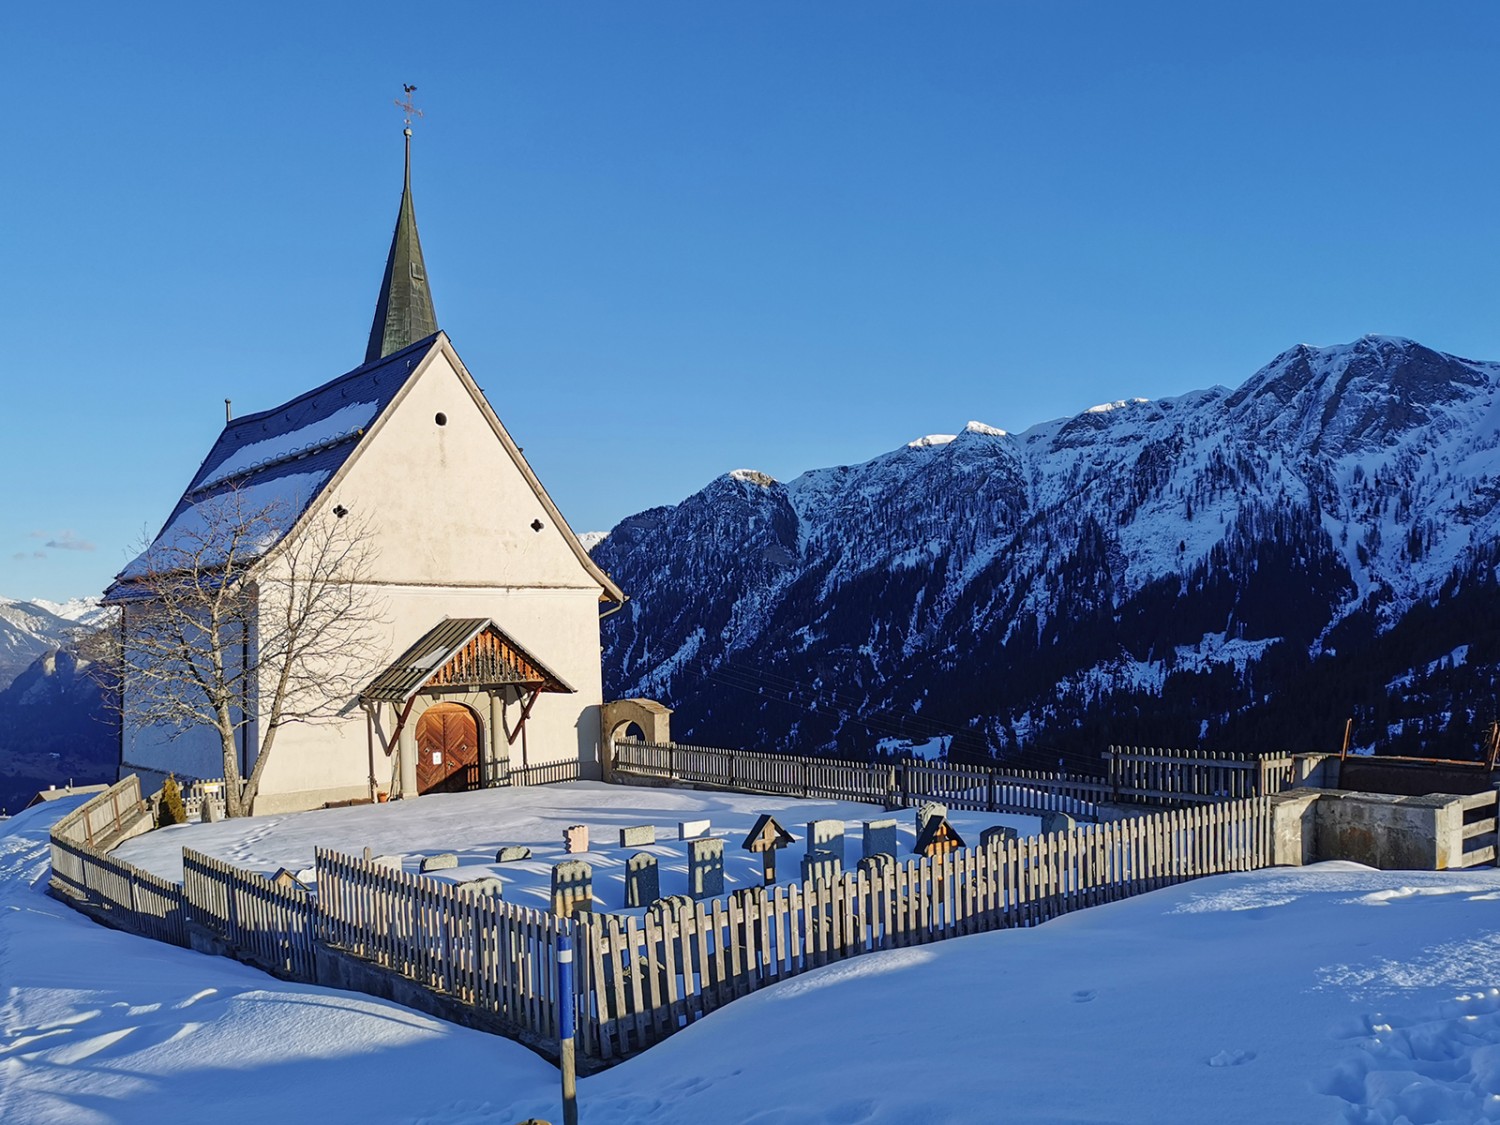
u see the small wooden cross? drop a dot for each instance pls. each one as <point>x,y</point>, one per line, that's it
<point>405,106</point>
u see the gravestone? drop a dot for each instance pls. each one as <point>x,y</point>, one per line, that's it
<point>998,834</point>
<point>642,880</point>
<point>369,854</point>
<point>880,837</point>
<point>876,865</point>
<point>209,813</point>
<point>663,907</point>
<point>284,878</point>
<point>572,888</point>
<point>392,862</point>
<point>692,829</point>
<point>638,836</point>
<point>440,862</point>
<point>927,810</point>
<point>706,868</point>
<point>821,865</point>
<point>826,836</point>
<point>491,885</point>
<point>512,853</point>
<point>1057,822</point>
<point>576,838</point>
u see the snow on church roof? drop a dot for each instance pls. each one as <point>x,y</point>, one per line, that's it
<point>280,459</point>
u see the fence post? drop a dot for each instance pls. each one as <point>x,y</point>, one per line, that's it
<point>567,1063</point>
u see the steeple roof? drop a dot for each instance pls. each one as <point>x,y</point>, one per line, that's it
<point>404,313</point>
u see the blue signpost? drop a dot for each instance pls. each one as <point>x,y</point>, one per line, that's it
<point>565,1001</point>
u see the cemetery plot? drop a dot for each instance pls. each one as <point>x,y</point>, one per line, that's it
<point>518,835</point>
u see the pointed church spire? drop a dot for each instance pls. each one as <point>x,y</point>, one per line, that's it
<point>404,313</point>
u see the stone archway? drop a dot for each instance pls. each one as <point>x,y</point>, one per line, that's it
<point>448,749</point>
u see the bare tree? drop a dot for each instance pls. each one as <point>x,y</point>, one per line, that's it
<point>230,623</point>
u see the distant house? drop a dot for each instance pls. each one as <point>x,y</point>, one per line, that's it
<point>489,623</point>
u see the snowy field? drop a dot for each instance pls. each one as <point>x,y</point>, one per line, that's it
<point>1325,994</point>
<point>476,825</point>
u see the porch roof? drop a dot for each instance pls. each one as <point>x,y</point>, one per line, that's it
<point>463,653</point>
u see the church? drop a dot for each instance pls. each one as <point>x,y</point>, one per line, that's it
<point>483,656</point>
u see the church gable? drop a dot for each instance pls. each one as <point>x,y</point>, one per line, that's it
<point>451,498</point>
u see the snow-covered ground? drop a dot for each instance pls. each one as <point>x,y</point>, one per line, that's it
<point>1325,994</point>
<point>476,825</point>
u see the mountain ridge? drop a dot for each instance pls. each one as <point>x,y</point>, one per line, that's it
<point>1082,562</point>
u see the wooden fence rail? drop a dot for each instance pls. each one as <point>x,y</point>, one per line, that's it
<point>982,788</point>
<point>473,947</point>
<point>1188,777</point>
<point>647,978</point>
<point>1479,834</point>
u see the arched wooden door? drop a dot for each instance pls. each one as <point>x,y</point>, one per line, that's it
<point>447,749</point>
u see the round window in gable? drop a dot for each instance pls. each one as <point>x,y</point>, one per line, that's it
<point>537,525</point>
<point>440,418</point>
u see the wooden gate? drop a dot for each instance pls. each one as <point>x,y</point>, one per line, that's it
<point>447,749</point>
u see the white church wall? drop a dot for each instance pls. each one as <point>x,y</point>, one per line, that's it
<point>450,518</point>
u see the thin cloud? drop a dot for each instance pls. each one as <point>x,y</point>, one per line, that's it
<point>67,541</point>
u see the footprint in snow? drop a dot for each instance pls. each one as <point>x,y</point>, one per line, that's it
<point>1084,995</point>
<point>1232,1058</point>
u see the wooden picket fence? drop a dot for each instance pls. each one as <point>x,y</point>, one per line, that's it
<point>473,947</point>
<point>982,788</point>
<point>646,979</point>
<point>129,896</point>
<point>266,924</point>
<point>1187,777</point>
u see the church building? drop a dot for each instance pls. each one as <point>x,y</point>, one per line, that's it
<point>483,654</point>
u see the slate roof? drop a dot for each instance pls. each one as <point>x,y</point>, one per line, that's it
<point>285,456</point>
<point>410,672</point>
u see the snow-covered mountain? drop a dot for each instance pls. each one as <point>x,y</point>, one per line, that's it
<point>29,630</point>
<point>1226,567</point>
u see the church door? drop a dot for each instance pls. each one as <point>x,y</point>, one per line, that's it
<point>447,749</point>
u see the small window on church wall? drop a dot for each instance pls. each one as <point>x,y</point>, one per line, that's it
<point>537,525</point>
<point>440,419</point>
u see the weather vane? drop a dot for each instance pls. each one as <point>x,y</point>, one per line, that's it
<point>406,107</point>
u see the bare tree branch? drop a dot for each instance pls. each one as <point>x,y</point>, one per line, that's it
<point>228,625</point>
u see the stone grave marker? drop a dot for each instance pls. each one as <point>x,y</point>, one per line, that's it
<point>284,878</point>
<point>826,836</point>
<point>692,829</point>
<point>706,867</point>
<point>821,865</point>
<point>572,888</point>
<point>369,854</point>
<point>576,838</point>
<point>491,885</point>
<point>999,833</point>
<point>1057,822</point>
<point>664,905</point>
<point>642,880</point>
<point>393,862</point>
<point>638,836</point>
<point>512,853</point>
<point>440,862</point>
<point>880,837</point>
<point>877,864</point>
<point>927,810</point>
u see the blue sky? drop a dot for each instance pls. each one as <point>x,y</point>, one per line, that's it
<point>674,239</point>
